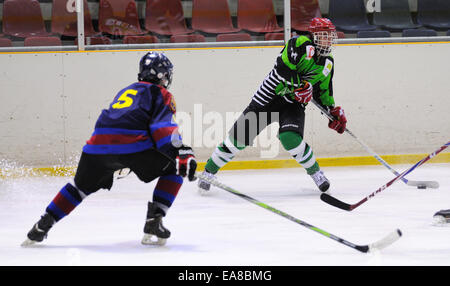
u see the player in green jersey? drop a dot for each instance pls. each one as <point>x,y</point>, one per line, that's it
<point>303,70</point>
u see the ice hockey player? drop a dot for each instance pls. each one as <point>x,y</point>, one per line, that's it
<point>137,132</point>
<point>303,70</point>
<point>442,217</point>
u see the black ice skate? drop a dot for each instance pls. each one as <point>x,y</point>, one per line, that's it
<point>204,186</point>
<point>442,217</point>
<point>40,229</point>
<point>321,181</point>
<point>154,228</point>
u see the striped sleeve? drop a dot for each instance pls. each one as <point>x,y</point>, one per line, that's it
<point>163,127</point>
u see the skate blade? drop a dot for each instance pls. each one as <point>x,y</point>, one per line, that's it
<point>28,242</point>
<point>439,220</point>
<point>150,239</point>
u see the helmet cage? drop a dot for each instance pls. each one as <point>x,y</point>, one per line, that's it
<point>324,35</point>
<point>156,68</point>
<point>324,41</point>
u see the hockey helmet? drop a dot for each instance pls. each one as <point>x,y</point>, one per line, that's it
<point>156,68</point>
<point>324,33</point>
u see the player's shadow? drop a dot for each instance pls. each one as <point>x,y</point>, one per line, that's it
<point>121,247</point>
<point>292,193</point>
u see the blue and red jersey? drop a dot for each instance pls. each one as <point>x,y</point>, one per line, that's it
<point>140,117</point>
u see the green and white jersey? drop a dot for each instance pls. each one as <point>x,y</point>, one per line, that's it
<point>297,62</point>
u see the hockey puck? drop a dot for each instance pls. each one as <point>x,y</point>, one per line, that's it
<point>421,187</point>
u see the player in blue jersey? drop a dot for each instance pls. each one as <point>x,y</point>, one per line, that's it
<point>137,132</point>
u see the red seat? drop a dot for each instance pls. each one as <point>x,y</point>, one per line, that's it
<point>187,38</point>
<point>212,17</point>
<point>302,12</point>
<point>233,37</point>
<point>257,16</point>
<point>340,35</point>
<point>23,18</point>
<point>42,41</point>
<point>165,17</point>
<point>119,18</point>
<point>274,37</point>
<point>140,39</point>
<point>65,22</point>
<point>95,41</point>
<point>5,42</point>
<point>280,36</point>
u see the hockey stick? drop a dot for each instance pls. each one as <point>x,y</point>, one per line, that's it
<point>378,245</point>
<point>418,184</point>
<point>339,204</point>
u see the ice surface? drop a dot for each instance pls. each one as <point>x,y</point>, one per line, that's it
<point>222,229</point>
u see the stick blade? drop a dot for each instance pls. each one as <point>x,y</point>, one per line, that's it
<point>335,202</point>
<point>386,241</point>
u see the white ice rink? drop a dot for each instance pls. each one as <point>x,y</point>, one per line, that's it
<point>223,229</point>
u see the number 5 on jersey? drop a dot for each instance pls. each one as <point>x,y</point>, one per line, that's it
<point>124,100</point>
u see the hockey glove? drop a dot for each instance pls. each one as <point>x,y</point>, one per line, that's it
<point>304,93</point>
<point>185,163</point>
<point>340,121</point>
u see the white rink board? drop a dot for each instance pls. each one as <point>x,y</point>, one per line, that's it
<point>395,97</point>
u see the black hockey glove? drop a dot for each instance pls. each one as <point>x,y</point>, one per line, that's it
<point>185,163</point>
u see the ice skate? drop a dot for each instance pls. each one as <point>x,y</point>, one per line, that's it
<point>204,187</point>
<point>442,217</point>
<point>39,231</point>
<point>154,231</point>
<point>321,181</point>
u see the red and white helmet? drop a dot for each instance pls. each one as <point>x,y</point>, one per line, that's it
<point>324,33</point>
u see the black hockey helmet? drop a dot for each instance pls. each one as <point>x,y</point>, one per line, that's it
<point>156,68</point>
